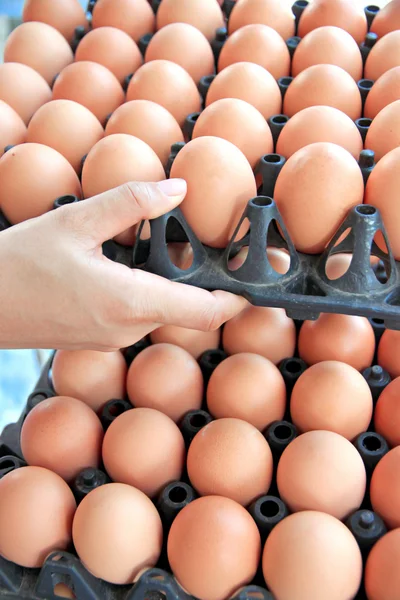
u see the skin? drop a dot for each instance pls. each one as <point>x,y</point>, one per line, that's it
<point>57,290</point>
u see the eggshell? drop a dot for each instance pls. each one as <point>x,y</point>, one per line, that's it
<point>63,15</point>
<point>205,15</point>
<point>15,81</point>
<point>319,124</point>
<point>314,192</point>
<point>384,133</point>
<point>144,448</point>
<point>213,548</point>
<point>62,590</point>
<point>117,532</point>
<point>168,84</point>
<point>345,338</point>
<point>135,17</point>
<point>387,19</point>
<point>385,90</point>
<point>321,470</point>
<point>249,82</point>
<point>111,48</point>
<point>383,56</point>
<point>261,330</point>
<point>231,458</point>
<point>91,376</point>
<point>66,126</point>
<point>337,265</point>
<point>389,352</point>
<point>346,14</point>
<point>327,85</point>
<point>259,44</point>
<point>12,127</point>
<point>273,13</point>
<point>32,177</point>
<point>92,85</point>
<point>184,45</point>
<point>382,576</point>
<point>251,377</point>
<point>387,413</point>
<point>312,555</point>
<point>193,341</point>
<point>385,488</point>
<point>36,512</point>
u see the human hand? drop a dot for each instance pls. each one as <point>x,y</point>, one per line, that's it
<point>58,290</point>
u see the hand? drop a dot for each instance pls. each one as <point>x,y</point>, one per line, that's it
<point>57,289</point>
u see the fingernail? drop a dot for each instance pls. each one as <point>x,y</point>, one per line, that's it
<point>173,187</point>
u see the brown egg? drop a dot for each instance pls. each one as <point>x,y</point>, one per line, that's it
<point>68,127</point>
<point>135,17</point>
<point>144,448</point>
<point>337,265</point>
<point>213,548</point>
<point>332,396</point>
<point>12,127</point>
<point>383,56</point>
<point>385,90</point>
<point>231,458</point>
<point>277,15</point>
<point>259,44</point>
<point>205,15</point>
<point>36,512</point>
<point>39,169</point>
<point>326,85</point>
<point>193,341</point>
<point>15,82</point>
<point>314,192</point>
<point>184,45</point>
<point>64,15</point>
<point>387,413</point>
<point>321,470</point>
<point>385,488</point>
<point>387,19</point>
<point>90,376</point>
<point>117,532</point>
<point>168,84</point>
<point>346,14</point>
<point>345,338</point>
<point>279,259</point>
<point>382,575</point>
<point>92,85</point>
<point>312,555</point>
<point>111,48</point>
<point>389,352</point>
<point>384,133</point>
<point>319,124</point>
<point>62,590</point>
<point>254,378</point>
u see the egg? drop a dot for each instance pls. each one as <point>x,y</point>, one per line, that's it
<point>36,512</point>
<point>117,532</point>
<point>385,488</point>
<point>12,127</point>
<point>39,169</point>
<point>384,132</point>
<point>382,578</point>
<point>387,414</point>
<point>16,80</point>
<point>184,45</point>
<point>65,15</point>
<point>327,85</point>
<point>346,14</point>
<point>259,44</point>
<point>92,85</point>
<point>385,90</point>
<point>337,265</point>
<point>273,13</point>
<point>135,17</point>
<point>205,15</point>
<point>319,124</point>
<point>279,259</point>
<point>388,352</point>
<point>249,82</point>
<point>111,48</point>
<point>90,376</point>
<point>144,448</point>
<point>66,126</point>
<point>387,19</point>
<point>213,548</point>
<point>153,81</point>
<point>312,555</point>
<point>193,341</point>
<point>321,470</point>
<point>220,119</point>
<point>383,56</point>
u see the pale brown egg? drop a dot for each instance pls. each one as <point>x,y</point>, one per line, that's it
<point>144,448</point>
<point>91,376</point>
<point>384,133</point>
<point>62,590</point>
<point>168,84</point>
<point>68,127</point>
<point>311,196</point>
<point>254,378</point>
<point>63,15</point>
<point>193,341</point>
<point>205,15</point>
<point>382,575</point>
<point>259,44</point>
<point>321,470</point>
<point>389,352</point>
<point>92,85</point>
<point>385,90</point>
<point>111,48</point>
<point>385,488</point>
<point>12,127</point>
<point>273,13</point>
<point>383,56</point>
<point>213,548</point>
<point>345,338</point>
<point>327,85</point>
<point>337,265</point>
<point>135,17</point>
<point>117,533</point>
<point>387,19</point>
<point>221,119</point>
<point>184,45</point>
<point>312,555</point>
<point>279,259</point>
<point>23,89</point>
<point>346,14</point>
<point>387,413</point>
<point>32,177</point>
<point>319,124</point>
<point>36,512</point>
